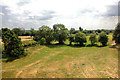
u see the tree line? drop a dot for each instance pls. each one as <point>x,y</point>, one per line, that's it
<point>59,33</point>
<point>45,35</point>
<point>32,32</point>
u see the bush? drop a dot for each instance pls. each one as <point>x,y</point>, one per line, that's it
<point>43,41</point>
<point>12,44</point>
<point>93,39</point>
<point>103,38</point>
<point>80,38</point>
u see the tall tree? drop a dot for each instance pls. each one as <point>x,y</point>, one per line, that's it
<point>60,33</point>
<point>93,38</point>
<point>103,38</point>
<point>80,38</point>
<point>32,32</point>
<point>71,38</point>
<point>44,32</point>
<point>116,34</point>
<point>72,30</point>
<point>17,31</point>
<point>12,44</point>
<point>80,28</point>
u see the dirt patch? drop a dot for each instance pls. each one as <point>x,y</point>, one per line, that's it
<point>58,52</point>
<point>17,75</point>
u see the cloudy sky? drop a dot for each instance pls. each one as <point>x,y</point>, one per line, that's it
<point>89,14</point>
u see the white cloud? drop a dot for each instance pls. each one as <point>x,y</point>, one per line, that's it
<point>71,13</point>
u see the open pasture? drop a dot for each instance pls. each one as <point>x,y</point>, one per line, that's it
<point>64,61</point>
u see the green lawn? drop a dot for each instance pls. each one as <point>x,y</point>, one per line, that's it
<point>62,61</point>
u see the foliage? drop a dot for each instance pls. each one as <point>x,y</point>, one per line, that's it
<point>32,32</point>
<point>29,43</point>
<point>72,30</point>
<point>19,31</point>
<point>116,34</point>
<point>12,44</point>
<point>44,32</point>
<point>80,38</point>
<point>93,38</point>
<point>0,33</point>
<point>103,38</point>
<point>27,33</point>
<point>98,30</point>
<point>71,38</point>
<point>60,33</point>
<point>43,41</point>
<point>80,28</point>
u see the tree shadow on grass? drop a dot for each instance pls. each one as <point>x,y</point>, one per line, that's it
<point>57,45</point>
<point>89,45</point>
<point>8,59</point>
<point>100,46</point>
<point>73,45</point>
<point>76,45</point>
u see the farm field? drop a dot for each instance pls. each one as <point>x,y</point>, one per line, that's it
<point>25,38</point>
<point>63,61</point>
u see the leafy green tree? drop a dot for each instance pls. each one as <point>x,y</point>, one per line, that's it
<point>44,32</point>
<point>32,32</point>
<point>72,30</point>
<point>93,39</point>
<point>22,31</point>
<point>80,28</point>
<point>103,38</point>
<point>27,33</point>
<point>116,34</point>
<point>98,30</point>
<point>43,41</point>
<point>60,33</point>
<point>80,38</point>
<point>71,38</point>
<point>17,31</point>
<point>12,44</point>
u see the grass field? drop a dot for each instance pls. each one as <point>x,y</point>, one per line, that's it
<point>63,61</point>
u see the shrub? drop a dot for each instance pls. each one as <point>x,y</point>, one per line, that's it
<point>43,41</point>
<point>12,44</point>
<point>93,39</point>
<point>80,38</point>
<point>103,38</point>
